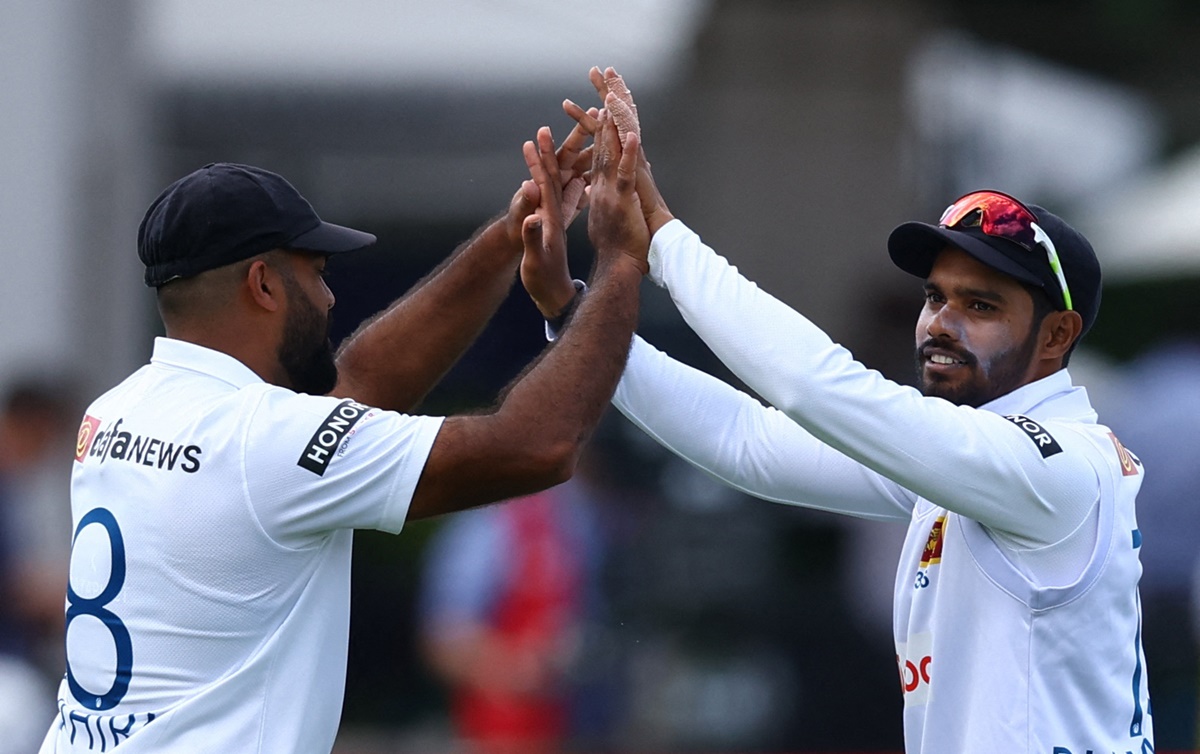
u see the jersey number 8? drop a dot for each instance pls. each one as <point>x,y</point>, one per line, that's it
<point>95,607</point>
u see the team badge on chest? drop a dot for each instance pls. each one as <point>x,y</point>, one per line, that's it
<point>933,546</point>
<point>933,552</point>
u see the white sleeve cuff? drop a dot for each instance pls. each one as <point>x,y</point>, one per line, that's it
<point>661,241</point>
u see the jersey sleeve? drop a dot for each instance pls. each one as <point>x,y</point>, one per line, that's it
<point>749,446</point>
<point>971,461</point>
<point>317,464</point>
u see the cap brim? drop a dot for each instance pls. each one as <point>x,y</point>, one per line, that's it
<point>328,238</point>
<point>914,246</point>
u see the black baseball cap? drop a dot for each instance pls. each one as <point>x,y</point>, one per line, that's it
<point>914,246</point>
<point>224,213</point>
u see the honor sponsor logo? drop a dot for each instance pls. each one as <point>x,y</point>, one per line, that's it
<point>1045,442</point>
<point>329,436</point>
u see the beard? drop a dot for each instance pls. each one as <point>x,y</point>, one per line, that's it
<point>306,353</point>
<point>1001,374</point>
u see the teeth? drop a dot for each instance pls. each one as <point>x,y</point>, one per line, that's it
<point>938,358</point>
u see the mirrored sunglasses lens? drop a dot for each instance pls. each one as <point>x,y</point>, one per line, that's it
<point>1000,216</point>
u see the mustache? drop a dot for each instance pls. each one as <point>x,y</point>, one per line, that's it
<point>923,350</point>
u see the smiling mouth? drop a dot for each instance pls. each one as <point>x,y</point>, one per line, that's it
<point>938,358</point>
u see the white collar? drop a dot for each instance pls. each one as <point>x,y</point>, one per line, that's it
<point>1052,397</point>
<point>180,354</point>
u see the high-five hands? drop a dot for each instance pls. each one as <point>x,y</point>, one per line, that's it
<point>544,271</point>
<point>618,100</point>
<point>620,180</point>
<point>616,226</point>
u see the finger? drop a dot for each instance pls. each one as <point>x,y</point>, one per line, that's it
<point>573,194</point>
<point>572,147</point>
<point>623,115</point>
<point>530,195</point>
<point>586,119</point>
<point>627,168</point>
<point>628,119</point>
<point>597,79</point>
<point>583,163</point>
<point>525,200</point>
<point>533,161</point>
<point>604,147</point>
<point>647,191</point>
<point>549,158</point>
<point>616,84</point>
<point>531,235</point>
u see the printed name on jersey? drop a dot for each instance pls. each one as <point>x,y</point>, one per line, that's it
<point>1046,444</point>
<point>114,443</point>
<point>103,731</point>
<point>87,433</point>
<point>328,437</point>
<point>1129,464</point>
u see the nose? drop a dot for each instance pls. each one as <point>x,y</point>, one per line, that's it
<point>329,295</point>
<point>944,323</point>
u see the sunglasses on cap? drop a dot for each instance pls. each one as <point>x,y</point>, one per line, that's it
<point>1001,216</point>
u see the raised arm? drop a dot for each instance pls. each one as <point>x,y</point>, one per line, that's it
<point>396,357</point>
<point>971,461</point>
<point>748,446</point>
<point>533,439</point>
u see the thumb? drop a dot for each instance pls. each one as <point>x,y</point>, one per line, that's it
<point>531,235</point>
<point>627,168</point>
<point>646,190</point>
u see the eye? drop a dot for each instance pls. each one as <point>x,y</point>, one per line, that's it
<point>982,306</point>
<point>933,297</point>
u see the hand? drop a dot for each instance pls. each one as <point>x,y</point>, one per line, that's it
<point>615,223</point>
<point>544,270</point>
<point>619,101</point>
<point>573,161</point>
<point>522,205</point>
<point>622,107</point>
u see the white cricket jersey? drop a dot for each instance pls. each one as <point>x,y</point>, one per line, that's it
<point>208,602</point>
<point>1017,622</point>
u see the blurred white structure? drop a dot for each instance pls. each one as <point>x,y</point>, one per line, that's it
<point>1149,227</point>
<point>74,149</point>
<point>987,116</point>
<point>89,90</point>
<point>456,43</point>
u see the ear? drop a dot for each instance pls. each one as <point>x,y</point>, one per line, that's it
<point>1060,330</point>
<point>264,286</point>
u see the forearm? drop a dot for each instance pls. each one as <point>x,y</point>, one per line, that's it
<point>533,440</point>
<point>395,358</point>
<point>971,461</point>
<point>563,397</point>
<point>749,446</point>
